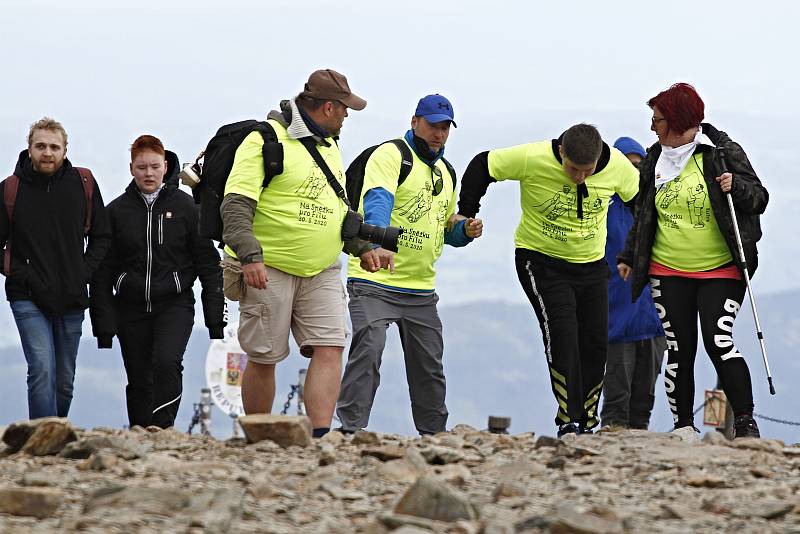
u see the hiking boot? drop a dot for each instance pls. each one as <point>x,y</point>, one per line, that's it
<point>568,428</point>
<point>744,426</point>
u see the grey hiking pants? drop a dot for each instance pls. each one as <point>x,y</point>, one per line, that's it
<point>372,310</point>
<point>630,381</point>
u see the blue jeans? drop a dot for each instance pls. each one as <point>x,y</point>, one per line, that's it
<point>50,344</point>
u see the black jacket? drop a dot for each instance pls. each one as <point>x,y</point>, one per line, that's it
<point>156,255</point>
<point>51,263</point>
<point>749,199</point>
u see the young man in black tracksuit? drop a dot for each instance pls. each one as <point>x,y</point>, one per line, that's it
<point>565,187</point>
<point>143,291</point>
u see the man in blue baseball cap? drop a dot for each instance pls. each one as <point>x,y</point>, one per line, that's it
<point>435,109</point>
<point>406,183</point>
<point>636,341</point>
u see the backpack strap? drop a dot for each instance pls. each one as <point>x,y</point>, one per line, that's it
<point>10,188</point>
<point>452,172</point>
<point>87,181</point>
<point>271,152</point>
<point>406,161</point>
<point>267,132</point>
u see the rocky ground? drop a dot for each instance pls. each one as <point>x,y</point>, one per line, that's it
<point>54,478</point>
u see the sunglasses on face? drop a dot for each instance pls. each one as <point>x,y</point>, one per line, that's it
<point>438,183</point>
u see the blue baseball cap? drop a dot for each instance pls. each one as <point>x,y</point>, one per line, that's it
<point>435,108</point>
<point>626,145</point>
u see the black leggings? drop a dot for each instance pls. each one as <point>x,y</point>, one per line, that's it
<point>679,301</point>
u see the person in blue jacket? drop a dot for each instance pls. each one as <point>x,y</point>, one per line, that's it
<point>636,342</point>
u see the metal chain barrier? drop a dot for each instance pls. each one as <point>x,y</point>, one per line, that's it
<point>760,416</point>
<point>774,420</point>
<point>288,402</point>
<point>701,407</point>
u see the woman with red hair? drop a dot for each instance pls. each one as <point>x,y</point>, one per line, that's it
<point>143,291</point>
<point>683,240</point>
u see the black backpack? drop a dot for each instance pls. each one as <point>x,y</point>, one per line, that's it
<point>217,162</point>
<point>356,170</point>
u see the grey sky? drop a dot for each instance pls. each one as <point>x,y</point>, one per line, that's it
<point>515,71</point>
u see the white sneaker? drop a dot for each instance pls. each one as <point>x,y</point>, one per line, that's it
<point>687,433</point>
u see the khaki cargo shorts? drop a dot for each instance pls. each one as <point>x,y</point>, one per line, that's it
<point>313,308</point>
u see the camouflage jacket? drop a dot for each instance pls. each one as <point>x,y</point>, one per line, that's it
<point>749,199</point>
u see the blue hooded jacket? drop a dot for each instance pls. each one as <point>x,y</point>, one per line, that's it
<point>627,321</point>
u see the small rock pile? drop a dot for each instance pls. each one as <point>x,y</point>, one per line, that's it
<point>57,478</point>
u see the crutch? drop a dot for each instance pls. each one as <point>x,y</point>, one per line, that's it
<point>759,333</point>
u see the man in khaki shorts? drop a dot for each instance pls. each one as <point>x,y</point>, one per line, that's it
<point>287,237</point>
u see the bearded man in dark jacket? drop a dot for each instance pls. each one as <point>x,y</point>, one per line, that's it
<point>55,233</point>
<point>143,291</point>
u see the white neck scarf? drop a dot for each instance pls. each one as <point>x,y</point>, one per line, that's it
<point>151,197</point>
<point>672,161</point>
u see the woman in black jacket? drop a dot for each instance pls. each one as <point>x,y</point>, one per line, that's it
<point>143,291</point>
<point>683,239</point>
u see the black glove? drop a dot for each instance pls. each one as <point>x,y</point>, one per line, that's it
<point>105,341</point>
<point>216,332</point>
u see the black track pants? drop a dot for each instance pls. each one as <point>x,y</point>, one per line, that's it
<point>152,350</point>
<point>571,303</point>
<point>679,301</point>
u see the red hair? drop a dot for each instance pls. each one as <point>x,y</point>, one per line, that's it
<point>144,143</point>
<point>681,106</point>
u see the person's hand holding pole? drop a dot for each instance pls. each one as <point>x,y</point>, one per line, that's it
<point>725,181</point>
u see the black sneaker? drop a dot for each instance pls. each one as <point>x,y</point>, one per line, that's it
<point>568,428</point>
<point>344,431</point>
<point>744,426</point>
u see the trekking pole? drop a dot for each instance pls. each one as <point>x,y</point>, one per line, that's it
<point>759,333</point>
